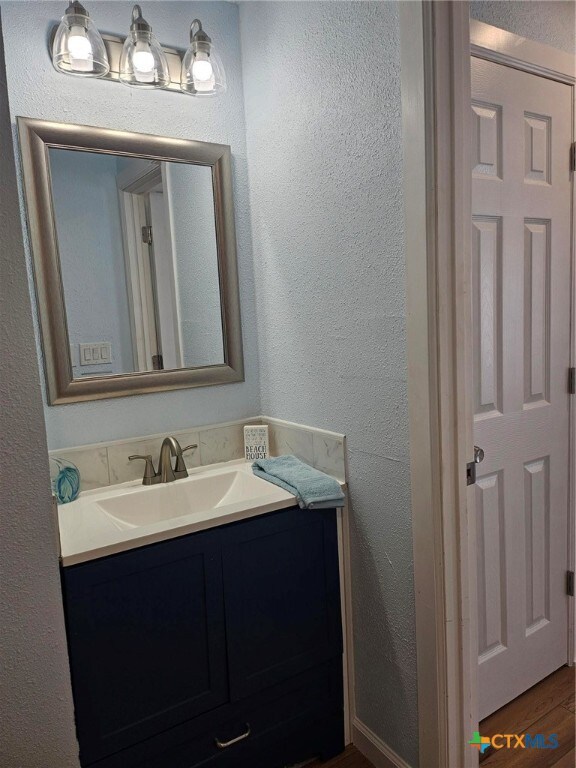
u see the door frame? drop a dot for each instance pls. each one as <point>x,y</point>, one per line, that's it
<point>139,269</point>
<point>148,296</point>
<point>436,40</point>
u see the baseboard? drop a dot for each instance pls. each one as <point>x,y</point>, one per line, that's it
<point>373,748</point>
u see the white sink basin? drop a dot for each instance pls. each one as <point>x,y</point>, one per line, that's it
<point>191,496</point>
<point>113,519</point>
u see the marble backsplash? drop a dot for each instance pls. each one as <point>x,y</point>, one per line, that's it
<point>107,463</point>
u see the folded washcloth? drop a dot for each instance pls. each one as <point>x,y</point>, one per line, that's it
<point>312,488</point>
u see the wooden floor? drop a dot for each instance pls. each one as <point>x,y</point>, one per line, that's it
<point>546,708</point>
<point>350,758</point>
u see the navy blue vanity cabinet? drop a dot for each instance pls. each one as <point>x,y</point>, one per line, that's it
<point>146,640</point>
<point>282,597</point>
<point>220,649</point>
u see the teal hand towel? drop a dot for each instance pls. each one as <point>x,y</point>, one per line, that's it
<point>312,488</point>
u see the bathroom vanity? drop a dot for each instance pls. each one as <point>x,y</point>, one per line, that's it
<point>214,647</point>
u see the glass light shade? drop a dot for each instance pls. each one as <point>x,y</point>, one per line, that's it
<point>143,63</point>
<point>202,71</point>
<point>78,48</point>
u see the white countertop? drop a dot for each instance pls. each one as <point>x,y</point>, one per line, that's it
<point>88,532</point>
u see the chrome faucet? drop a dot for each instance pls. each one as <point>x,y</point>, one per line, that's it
<point>166,472</point>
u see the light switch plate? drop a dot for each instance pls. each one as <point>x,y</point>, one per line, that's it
<point>98,353</point>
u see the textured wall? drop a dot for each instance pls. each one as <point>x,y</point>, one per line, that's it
<point>37,90</point>
<point>324,141</point>
<point>547,21</point>
<point>323,112</point>
<point>85,196</point>
<point>36,715</point>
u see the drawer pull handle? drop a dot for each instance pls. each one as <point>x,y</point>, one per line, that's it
<point>225,744</point>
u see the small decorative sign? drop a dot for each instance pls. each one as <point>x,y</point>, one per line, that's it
<point>256,442</point>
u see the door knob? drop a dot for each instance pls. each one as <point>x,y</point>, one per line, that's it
<point>471,466</point>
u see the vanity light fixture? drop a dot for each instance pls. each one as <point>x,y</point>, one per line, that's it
<point>78,48</point>
<point>138,60</point>
<point>202,70</point>
<point>143,63</point>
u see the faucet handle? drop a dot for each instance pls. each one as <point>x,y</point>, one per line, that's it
<point>180,469</point>
<point>149,471</point>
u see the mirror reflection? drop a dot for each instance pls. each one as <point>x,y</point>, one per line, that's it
<point>138,260</point>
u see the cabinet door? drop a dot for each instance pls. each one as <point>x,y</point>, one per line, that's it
<point>282,597</point>
<point>147,641</point>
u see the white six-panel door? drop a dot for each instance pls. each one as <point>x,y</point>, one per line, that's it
<point>521,313</point>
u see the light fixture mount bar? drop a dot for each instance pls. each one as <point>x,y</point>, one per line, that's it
<point>114,45</point>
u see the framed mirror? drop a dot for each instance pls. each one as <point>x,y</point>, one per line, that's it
<point>134,252</point>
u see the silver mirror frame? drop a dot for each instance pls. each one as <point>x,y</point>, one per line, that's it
<point>36,138</point>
